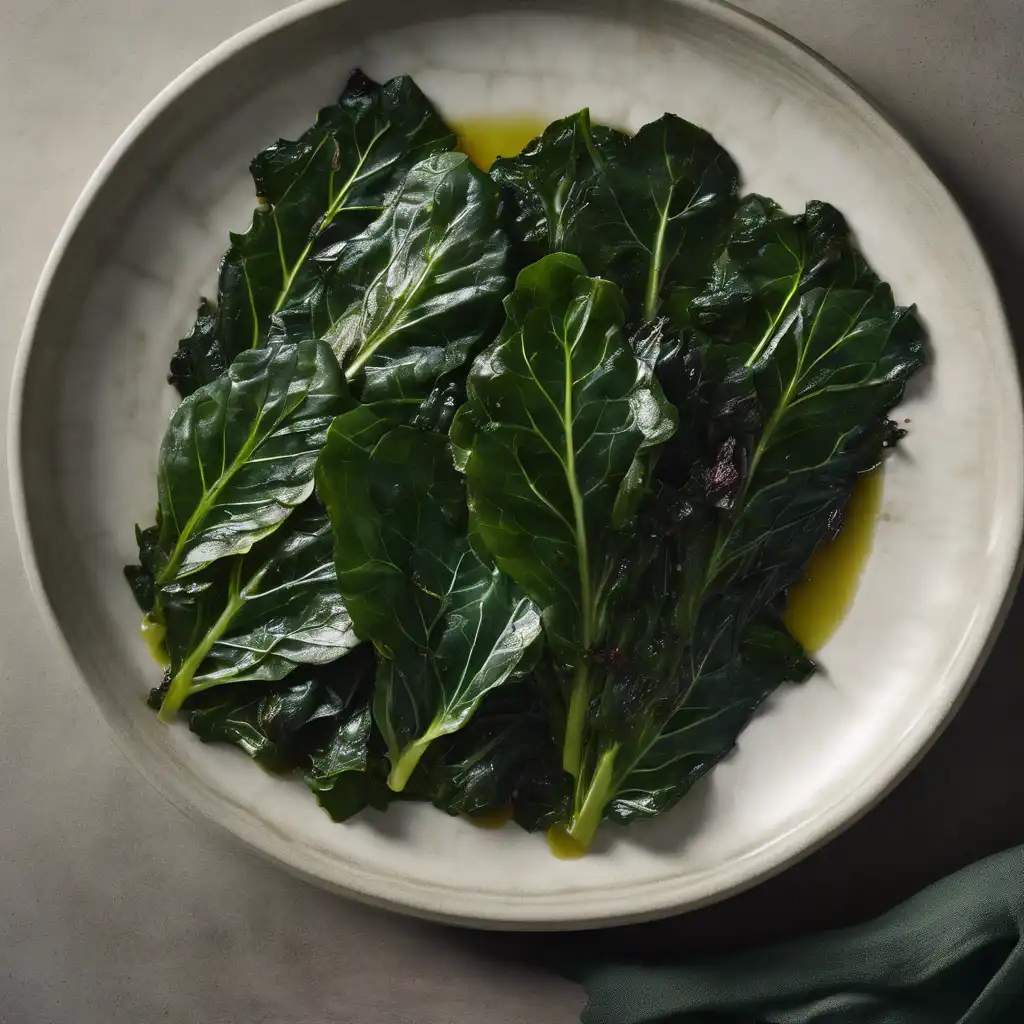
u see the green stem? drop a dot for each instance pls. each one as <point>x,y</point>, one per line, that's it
<point>586,130</point>
<point>390,325</point>
<point>333,209</point>
<point>576,720</point>
<point>182,686</point>
<point>579,699</point>
<point>774,322</point>
<point>657,254</point>
<point>587,815</point>
<point>405,765</point>
<point>203,507</point>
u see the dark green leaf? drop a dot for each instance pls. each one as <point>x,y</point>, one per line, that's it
<point>349,771</point>
<point>540,184</point>
<point>239,454</point>
<point>665,717</point>
<point>771,260</point>
<point>334,177</point>
<point>498,761</point>
<point>141,577</point>
<point>658,213</point>
<point>705,722</point>
<point>284,725</point>
<point>558,411</point>
<point>199,358</point>
<point>784,400</point>
<point>258,615</point>
<point>408,299</point>
<point>318,722</point>
<point>827,354</point>
<point>449,626</point>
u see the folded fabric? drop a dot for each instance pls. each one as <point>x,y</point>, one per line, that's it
<point>954,954</point>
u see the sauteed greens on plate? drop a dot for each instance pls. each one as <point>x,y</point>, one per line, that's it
<point>487,489</point>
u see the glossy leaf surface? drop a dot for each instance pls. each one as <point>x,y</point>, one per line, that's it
<point>332,181</point>
<point>784,394</point>
<point>658,213</point>
<point>258,615</point>
<point>239,454</point>
<point>448,625</point>
<point>405,301</point>
<point>542,182</point>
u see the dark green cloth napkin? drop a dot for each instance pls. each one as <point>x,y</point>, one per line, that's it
<point>954,954</point>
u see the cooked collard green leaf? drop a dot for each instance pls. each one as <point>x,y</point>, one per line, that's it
<point>239,454</point>
<point>808,368</point>
<point>256,616</point>
<point>448,626</point>
<point>496,762</point>
<point>558,411</point>
<point>335,178</point>
<point>406,301</point>
<point>797,319</point>
<point>318,722</point>
<point>283,725</point>
<point>541,183</point>
<point>657,214</point>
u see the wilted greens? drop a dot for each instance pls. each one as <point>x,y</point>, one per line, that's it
<point>487,489</point>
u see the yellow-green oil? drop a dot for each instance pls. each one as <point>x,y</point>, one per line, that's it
<point>154,634</point>
<point>817,605</point>
<point>483,140</point>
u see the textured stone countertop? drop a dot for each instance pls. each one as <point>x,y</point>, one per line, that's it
<point>116,908</point>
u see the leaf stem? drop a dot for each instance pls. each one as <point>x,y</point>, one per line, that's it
<point>334,207</point>
<point>182,686</point>
<point>403,768</point>
<point>588,813</point>
<point>580,694</point>
<point>657,254</point>
<point>586,130</point>
<point>203,507</point>
<point>576,719</point>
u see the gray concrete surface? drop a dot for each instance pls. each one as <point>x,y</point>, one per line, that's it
<point>115,908</point>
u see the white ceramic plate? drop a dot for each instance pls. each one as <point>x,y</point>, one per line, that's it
<point>144,240</point>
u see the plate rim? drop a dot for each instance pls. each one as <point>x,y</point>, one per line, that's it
<point>437,902</point>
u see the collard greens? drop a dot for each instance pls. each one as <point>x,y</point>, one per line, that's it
<point>487,489</point>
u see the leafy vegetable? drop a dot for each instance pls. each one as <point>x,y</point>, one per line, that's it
<point>807,328</point>
<point>543,182</point>
<point>566,562</point>
<point>819,380</point>
<point>347,772</point>
<point>200,357</point>
<point>480,770</point>
<point>407,300</point>
<point>239,455</point>
<point>657,214</point>
<point>660,725</point>
<point>651,212</point>
<point>318,723</point>
<point>705,721</point>
<point>240,452</point>
<point>558,411</point>
<point>140,577</point>
<point>280,725</point>
<point>336,175</point>
<point>259,615</point>
<point>448,626</point>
